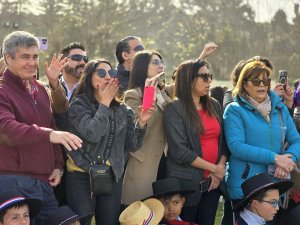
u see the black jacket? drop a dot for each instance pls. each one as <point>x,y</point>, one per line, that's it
<point>184,147</point>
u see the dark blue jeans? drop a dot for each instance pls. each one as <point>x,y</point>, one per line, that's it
<point>205,211</point>
<point>106,207</point>
<point>32,188</point>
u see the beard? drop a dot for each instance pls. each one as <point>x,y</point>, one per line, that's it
<point>75,71</point>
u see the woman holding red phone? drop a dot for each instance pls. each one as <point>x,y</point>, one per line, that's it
<point>142,166</point>
<point>193,127</point>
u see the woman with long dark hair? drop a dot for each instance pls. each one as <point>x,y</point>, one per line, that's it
<point>193,126</point>
<point>143,165</point>
<point>109,132</point>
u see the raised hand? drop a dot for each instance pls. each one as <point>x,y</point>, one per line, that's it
<point>208,49</point>
<point>145,115</point>
<point>54,69</point>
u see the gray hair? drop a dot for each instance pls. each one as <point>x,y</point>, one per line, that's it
<point>17,39</point>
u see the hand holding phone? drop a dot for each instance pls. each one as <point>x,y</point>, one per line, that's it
<point>148,98</point>
<point>283,78</point>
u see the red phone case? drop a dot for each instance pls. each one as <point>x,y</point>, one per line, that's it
<point>148,97</point>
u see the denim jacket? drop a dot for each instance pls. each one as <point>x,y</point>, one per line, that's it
<point>92,124</point>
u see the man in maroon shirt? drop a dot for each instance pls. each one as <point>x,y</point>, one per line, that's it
<point>30,154</point>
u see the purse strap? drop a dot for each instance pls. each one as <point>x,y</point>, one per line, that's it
<point>109,144</point>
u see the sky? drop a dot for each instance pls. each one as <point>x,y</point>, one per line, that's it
<point>265,9</point>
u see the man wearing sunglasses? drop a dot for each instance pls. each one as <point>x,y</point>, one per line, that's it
<point>76,58</point>
<point>125,52</point>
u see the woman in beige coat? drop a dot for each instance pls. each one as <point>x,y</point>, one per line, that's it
<point>142,166</point>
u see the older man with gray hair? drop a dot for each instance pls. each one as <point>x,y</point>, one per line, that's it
<point>30,154</point>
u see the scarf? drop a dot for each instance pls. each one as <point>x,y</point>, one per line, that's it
<point>252,218</point>
<point>264,108</point>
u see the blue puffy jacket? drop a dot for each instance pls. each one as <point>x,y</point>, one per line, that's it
<point>254,142</point>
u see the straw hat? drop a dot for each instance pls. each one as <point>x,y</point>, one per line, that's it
<point>258,183</point>
<point>148,212</point>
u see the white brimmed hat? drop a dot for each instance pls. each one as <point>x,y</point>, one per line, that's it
<point>148,212</point>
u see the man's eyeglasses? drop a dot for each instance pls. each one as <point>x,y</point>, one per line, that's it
<point>256,82</point>
<point>78,58</point>
<point>158,61</point>
<point>274,203</point>
<point>205,76</point>
<point>102,73</point>
<point>138,48</point>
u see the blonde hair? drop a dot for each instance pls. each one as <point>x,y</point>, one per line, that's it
<point>251,70</point>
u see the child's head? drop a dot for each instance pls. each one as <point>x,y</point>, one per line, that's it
<point>15,215</point>
<point>173,204</point>
<point>170,192</point>
<point>16,210</point>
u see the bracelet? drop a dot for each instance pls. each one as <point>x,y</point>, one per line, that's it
<point>61,172</point>
<point>275,159</point>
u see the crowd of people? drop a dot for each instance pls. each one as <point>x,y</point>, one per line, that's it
<point>83,145</point>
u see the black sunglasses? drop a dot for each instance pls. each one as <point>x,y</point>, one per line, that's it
<point>138,48</point>
<point>265,81</point>
<point>102,73</point>
<point>205,76</point>
<point>78,58</point>
<point>158,61</point>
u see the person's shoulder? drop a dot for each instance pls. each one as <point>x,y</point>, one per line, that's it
<point>133,92</point>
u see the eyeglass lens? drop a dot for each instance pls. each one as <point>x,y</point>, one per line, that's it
<point>102,73</point>
<point>158,61</point>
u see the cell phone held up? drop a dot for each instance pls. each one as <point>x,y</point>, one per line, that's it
<point>283,78</point>
<point>148,97</point>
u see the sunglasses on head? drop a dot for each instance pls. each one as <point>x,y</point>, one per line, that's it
<point>78,58</point>
<point>205,76</point>
<point>256,81</point>
<point>158,61</point>
<point>138,48</point>
<point>102,73</point>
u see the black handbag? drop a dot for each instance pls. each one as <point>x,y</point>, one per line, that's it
<point>101,179</point>
<point>100,172</point>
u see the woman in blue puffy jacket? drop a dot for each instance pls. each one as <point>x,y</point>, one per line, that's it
<point>256,124</point>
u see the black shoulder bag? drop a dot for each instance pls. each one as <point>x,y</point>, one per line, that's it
<point>100,173</point>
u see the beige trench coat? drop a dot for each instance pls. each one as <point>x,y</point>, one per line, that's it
<point>143,164</point>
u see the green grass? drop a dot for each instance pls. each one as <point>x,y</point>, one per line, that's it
<point>219,214</point>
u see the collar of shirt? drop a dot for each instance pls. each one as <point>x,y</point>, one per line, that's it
<point>69,91</point>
